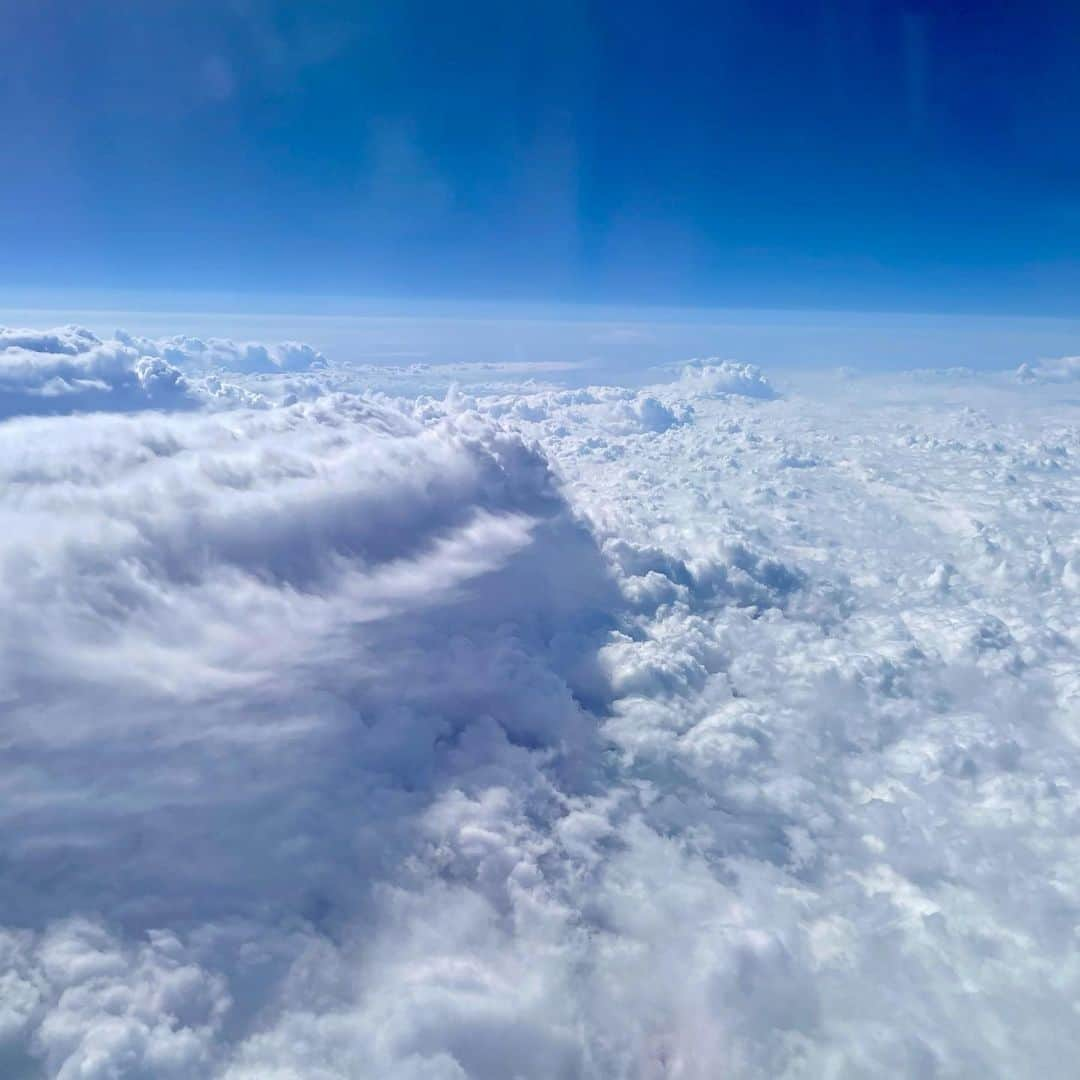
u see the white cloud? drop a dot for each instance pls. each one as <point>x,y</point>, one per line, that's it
<point>714,377</point>
<point>245,357</point>
<point>608,409</point>
<point>243,655</point>
<point>1062,369</point>
<point>342,739</point>
<point>70,369</point>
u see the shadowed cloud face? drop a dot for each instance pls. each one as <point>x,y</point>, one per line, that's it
<point>583,732</point>
<point>195,601</point>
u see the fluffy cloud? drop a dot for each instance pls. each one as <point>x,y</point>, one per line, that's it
<point>98,1007</point>
<point>596,733</point>
<point>716,377</point>
<point>245,654</point>
<point>70,369</point>
<point>609,409</point>
<point>246,357</point>
<point>190,597</point>
<point>1060,369</point>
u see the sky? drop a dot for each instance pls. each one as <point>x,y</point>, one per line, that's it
<point>506,566</point>
<point>833,154</point>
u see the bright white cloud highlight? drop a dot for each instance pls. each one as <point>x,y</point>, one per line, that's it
<point>597,733</point>
<point>1061,369</point>
<point>70,369</point>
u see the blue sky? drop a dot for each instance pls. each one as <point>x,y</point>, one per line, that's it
<point>842,154</point>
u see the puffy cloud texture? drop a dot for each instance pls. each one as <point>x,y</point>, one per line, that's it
<point>597,733</point>
<point>1062,369</point>
<point>716,377</point>
<point>70,369</point>
<point>249,357</point>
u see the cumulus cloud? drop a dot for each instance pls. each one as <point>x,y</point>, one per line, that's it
<point>615,410</point>
<point>713,377</point>
<point>1062,369</point>
<point>245,654</point>
<point>245,357</point>
<point>98,1006</point>
<point>192,596</point>
<point>596,733</point>
<point>70,369</point>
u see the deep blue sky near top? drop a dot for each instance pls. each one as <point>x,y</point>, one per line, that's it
<point>856,154</point>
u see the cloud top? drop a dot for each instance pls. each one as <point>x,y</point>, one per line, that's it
<point>1062,369</point>
<point>715,377</point>
<point>591,733</point>
<point>70,369</point>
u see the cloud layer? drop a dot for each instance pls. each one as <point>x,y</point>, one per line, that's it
<point>71,370</point>
<point>1060,369</point>
<point>598,733</point>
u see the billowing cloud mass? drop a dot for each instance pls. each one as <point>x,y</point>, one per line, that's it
<point>70,369</point>
<point>249,357</point>
<point>716,377</point>
<point>536,732</point>
<point>1061,369</point>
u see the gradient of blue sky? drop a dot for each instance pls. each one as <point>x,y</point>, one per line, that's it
<point>838,153</point>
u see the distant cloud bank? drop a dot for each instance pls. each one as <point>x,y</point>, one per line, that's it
<point>70,369</point>
<point>1061,369</point>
